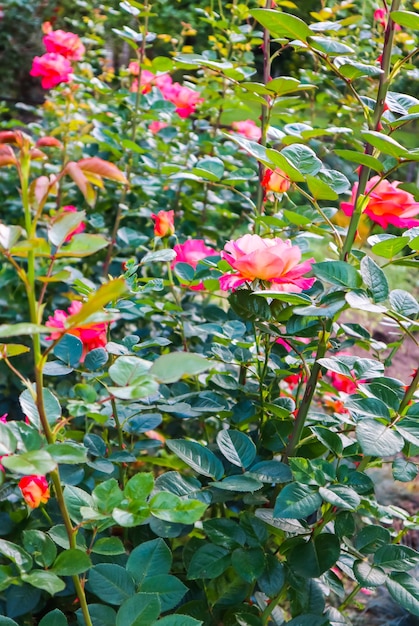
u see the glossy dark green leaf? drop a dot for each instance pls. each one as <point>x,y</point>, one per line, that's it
<point>396,557</point>
<point>40,546</point>
<point>368,575</point>
<point>209,561</point>
<point>239,483</point>
<point>34,462</point>
<point>44,579</point>
<point>224,532</point>
<point>150,558</point>
<point>169,589</point>
<point>53,618</point>
<point>338,273</point>
<point>296,501</point>
<point>404,470</point>
<point>198,457</point>
<point>142,609</point>
<point>377,439</point>
<point>111,583</point>
<point>375,279</point>
<point>313,558</point>
<point>404,589</point>
<point>272,578</point>
<point>248,562</point>
<point>69,350</point>
<point>340,496</point>
<point>237,447</point>
<point>71,562</point>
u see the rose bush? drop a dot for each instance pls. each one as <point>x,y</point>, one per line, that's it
<point>189,441</point>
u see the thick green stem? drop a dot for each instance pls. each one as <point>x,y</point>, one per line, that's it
<point>39,387</point>
<point>264,115</point>
<point>364,173</point>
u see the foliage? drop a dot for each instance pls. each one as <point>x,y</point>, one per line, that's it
<point>194,426</point>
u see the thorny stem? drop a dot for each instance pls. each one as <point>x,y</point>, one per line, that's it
<point>409,392</point>
<point>118,216</point>
<point>38,392</point>
<point>307,397</point>
<point>265,115</point>
<point>378,111</point>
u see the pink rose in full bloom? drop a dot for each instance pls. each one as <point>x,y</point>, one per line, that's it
<point>184,98</point>
<point>65,43</point>
<point>276,181</point>
<point>79,229</point>
<point>248,129</point>
<point>156,126</point>
<point>164,224</point>
<point>92,335</point>
<point>192,251</point>
<point>53,69</point>
<point>35,490</point>
<point>387,204</point>
<point>274,261</point>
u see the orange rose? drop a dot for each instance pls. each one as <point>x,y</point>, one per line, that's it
<point>35,490</point>
<point>163,223</point>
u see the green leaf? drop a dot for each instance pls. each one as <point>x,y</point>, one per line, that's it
<point>408,19</point>
<point>30,409</point>
<point>169,368</point>
<point>46,580</point>
<point>296,501</point>
<point>272,578</point>
<point>361,159</point>
<point>319,189</point>
<point>33,462</point>
<point>390,247</point>
<point>313,558</point>
<point>331,47</point>
<point>171,508</point>
<point>282,24</point>
<point>271,472</point>
<point>309,619</point>
<point>40,546</point>
<point>290,298</point>
<point>403,303</point>
<point>409,429</point>
<point>106,293</point>
<point>75,498</point>
<point>17,555</point>
<point>71,562</point>
<point>404,589</point>
<point>12,349</point>
<point>404,470</point>
<point>359,300</point>
<point>128,370</point>
<point>54,618</point>
<point>248,562</point>
<point>286,84</point>
<point>337,273</point>
<point>368,575</point>
<point>375,279</point>
<point>341,496</point>
<point>210,168</point>
<point>139,610</point>
<point>139,486</point>
<point>303,158</point>
<point>82,245</point>
<point>69,350</point>
<point>224,532</point>
<point>6,621</point>
<point>396,557</point>
<point>178,620</point>
<point>70,453</point>
<point>169,589</point>
<point>385,144</point>
<point>377,439</point>
<point>108,546</point>
<point>353,70</point>
<point>63,225</point>
<point>237,447</point>
<point>8,441</point>
<point>239,483</point>
<point>149,559</point>
<point>111,583</point>
<point>209,561</point>
<point>159,256</point>
<point>370,538</point>
<point>197,456</point>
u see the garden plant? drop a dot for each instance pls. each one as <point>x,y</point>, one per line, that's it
<point>208,282</point>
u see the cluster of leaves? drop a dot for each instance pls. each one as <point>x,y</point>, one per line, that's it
<point>191,481</point>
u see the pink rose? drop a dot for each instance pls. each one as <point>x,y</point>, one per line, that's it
<point>156,126</point>
<point>92,335</point>
<point>387,204</point>
<point>248,129</point>
<point>53,69</point>
<point>275,180</point>
<point>381,15</point>
<point>273,261</point>
<point>184,98</point>
<point>148,79</point>
<point>68,45</point>
<point>192,251</point>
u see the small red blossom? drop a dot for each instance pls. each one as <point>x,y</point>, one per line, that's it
<point>276,181</point>
<point>164,223</point>
<point>157,126</point>
<point>35,490</point>
<point>92,335</point>
<point>248,129</point>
